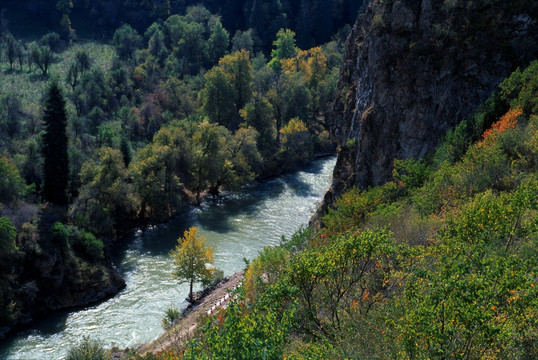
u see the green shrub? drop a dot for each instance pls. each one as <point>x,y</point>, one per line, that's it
<point>93,247</point>
<point>352,207</point>
<point>410,172</point>
<point>60,235</point>
<point>7,237</point>
<point>298,241</point>
<point>254,332</point>
<point>457,141</point>
<point>520,89</point>
<point>481,168</point>
<point>473,278</point>
<point>171,315</point>
<point>264,271</point>
<point>88,349</point>
<point>12,187</point>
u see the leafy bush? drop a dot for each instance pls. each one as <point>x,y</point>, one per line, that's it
<point>60,235</point>
<point>171,315</point>
<point>458,140</point>
<point>88,349</point>
<point>263,271</point>
<point>410,172</point>
<point>298,241</point>
<point>12,187</point>
<point>7,237</point>
<point>93,247</point>
<point>52,40</point>
<point>244,334</point>
<point>472,296</point>
<point>356,265</point>
<point>520,89</point>
<point>352,207</point>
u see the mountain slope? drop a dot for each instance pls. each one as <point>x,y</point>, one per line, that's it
<point>416,68</point>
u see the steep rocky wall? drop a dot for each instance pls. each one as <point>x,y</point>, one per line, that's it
<point>413,70</point>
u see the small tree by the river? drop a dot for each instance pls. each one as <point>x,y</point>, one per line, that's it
<point>193,259</point>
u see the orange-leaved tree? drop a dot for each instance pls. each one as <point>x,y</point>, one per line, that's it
<point>507,121</point>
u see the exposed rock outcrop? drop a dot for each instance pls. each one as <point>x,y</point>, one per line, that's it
<point>413,70</point>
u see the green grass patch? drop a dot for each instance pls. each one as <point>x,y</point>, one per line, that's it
<point>28,85</point>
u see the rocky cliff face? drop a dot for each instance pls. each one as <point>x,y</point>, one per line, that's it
<point>413,70</point>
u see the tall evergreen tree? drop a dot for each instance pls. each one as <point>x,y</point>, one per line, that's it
<point>54,147</point>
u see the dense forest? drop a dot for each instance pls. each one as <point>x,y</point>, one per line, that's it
<point>99,137</point>
<point>314,21</point>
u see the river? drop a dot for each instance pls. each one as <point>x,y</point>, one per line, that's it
<point>236,227</point>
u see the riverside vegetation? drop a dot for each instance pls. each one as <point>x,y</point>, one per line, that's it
<point>439,263</point>
<point>157,118</point>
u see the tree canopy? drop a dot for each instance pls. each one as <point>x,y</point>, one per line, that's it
<point>193,260</point>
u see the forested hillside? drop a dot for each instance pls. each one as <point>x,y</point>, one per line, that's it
<point>439,263</point>
<point>98,138</point>
<point>315,21</point>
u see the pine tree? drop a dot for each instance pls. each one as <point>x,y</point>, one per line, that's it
<point>54,148</point>
<point>126,151</point>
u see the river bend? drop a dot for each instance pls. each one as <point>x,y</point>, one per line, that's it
<point>237,227</point>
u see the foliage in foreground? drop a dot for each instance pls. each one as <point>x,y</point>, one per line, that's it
<point>88,349</point>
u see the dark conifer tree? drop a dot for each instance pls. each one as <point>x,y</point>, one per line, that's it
<point>126,151</point>
<point>54,147</point>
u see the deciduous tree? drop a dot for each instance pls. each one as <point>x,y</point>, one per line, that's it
<point>258,113</point>
<point>126,40</point>
<point>7,237</point>
<point>218,43</point>
<point>193,260</point>
<point>12,186</point>
<point>284,48</point>
<point>42,56</point>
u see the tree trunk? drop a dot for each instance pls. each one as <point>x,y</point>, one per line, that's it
<point>190,292</point>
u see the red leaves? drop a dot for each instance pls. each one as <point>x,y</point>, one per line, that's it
<point>507,121</point>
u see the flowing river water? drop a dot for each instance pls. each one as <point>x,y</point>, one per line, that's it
<point>237,227</point>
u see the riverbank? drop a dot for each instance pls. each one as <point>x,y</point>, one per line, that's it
<point>237,227</point>
<point>209,304</point>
